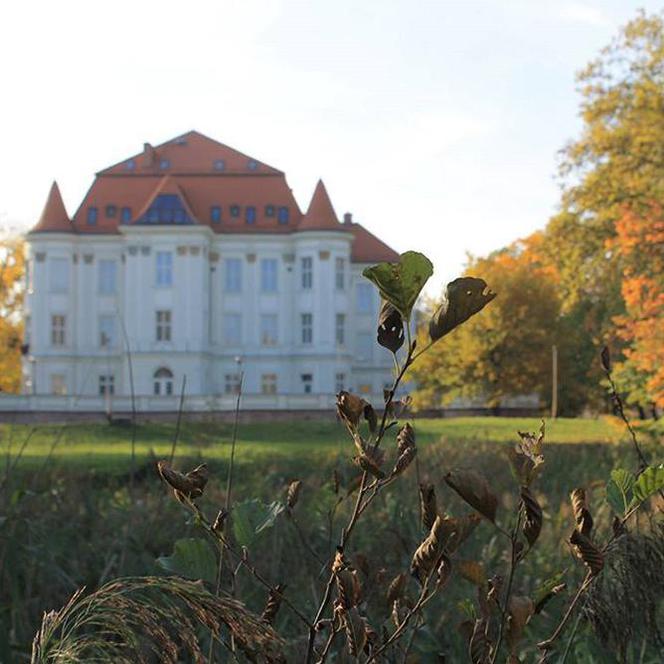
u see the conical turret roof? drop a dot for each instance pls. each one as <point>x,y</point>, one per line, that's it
<point>320,216</point>
<point>54,218</point>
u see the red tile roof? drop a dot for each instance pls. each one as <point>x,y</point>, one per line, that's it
<point>54,218</point>
<point>191,174</point>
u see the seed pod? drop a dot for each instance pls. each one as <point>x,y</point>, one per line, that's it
<point>293,493</point>
<point>405,438</point>
<point>390,327</point>
<point>190,485</point>
<point>591,556</point>
<point>404,460</point>
<point>479,646</point>
<point>532,523</point>
<point>273,603</point>
<point>428,506</point>
<point>474,489</point>
<point>584,521</point>
<point>396,588</point>
<point>427,552</point>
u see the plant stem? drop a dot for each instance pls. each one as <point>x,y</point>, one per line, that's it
<point>179,419</point>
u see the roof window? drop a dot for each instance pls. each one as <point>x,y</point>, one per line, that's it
<point>250,214</point>
<point>215,214</point>
<point>269,210</point>
<point>252,165</point>
<point>111,210</point>
<point>130,165</point>
<point>92,216</point>
<point>283,215</point>
<point>219,165</point>
<point>164,164</point>
<point>125,215</point>
<point>235,210</point>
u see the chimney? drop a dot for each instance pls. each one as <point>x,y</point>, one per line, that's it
<point>348,217</point>
<point>149,155</point>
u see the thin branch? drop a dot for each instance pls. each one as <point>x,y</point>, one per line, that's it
<point>179,419</point>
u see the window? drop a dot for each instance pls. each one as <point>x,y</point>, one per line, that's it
<point>163,331</point>
<point>307,272</point>
<point>92,216</point>
<point>232,329</point>
<point>269,210</point>
<point>307,383</point>
<point>163,382</point>
<point>58,384</point>
<point>340,329</point>
<point>340,273</point>
<point>282,216</point>
<point>164,268</point>
<point>125,215</point>
<point>106,331</point>
<point>111,210</point>
<point>233,275</point>
<point>106,385</point>
<point>364,298</point>
<point>307,328</point>
<point>58,275</point>
<point>250,214</point>
<point>269,383</point>
<point>232,383</point>
<point>215,214</point>
<point>107,276</point>
<point>235,210</point>
<point>339,382</point>
<point>164,164</point>
<point>364,346</point>
<point>269,275</point>
<point>365,388</point>
<point>219,164</point>
<point>58,323</point>
<point>130,165</point>
<point>252,165</point>
<point>269,329</point>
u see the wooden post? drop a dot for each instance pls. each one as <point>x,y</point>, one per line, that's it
<point>554,381</point>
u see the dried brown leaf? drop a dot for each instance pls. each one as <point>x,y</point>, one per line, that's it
<point>190,484</point>
<point>474,489</point>
<point>428,505</point>
<point>427,552</point>
<point>591,556</point>
<point>582,516</point>
<point>472,571</point>
<point>293,493</point>
<point>532,522</point>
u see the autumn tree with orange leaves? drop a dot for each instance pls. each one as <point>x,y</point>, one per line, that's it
<point>12,265</point>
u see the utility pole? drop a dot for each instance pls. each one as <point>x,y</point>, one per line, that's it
<point>554,381</point>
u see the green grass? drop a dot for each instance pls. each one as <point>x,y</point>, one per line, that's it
<point>107,448</point>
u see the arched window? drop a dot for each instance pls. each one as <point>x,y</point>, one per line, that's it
<point>163,382</point>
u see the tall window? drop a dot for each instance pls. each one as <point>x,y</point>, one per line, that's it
<point>269,329</point>
<point>340,329</point>
<point>269,275</point>
<point>364,298</point>
<point>307,328</point>
<point>340,273</point>
<point>282,215</point>
<point>307,272</point>
<point>232,383</point>
<point>125,215</point>
<point>106,385</point>
<point>163,331</point>
<point>232,329</point>
<point>106,331</point>
<point>233,275</point>
<point>164,268</point>
<point>215,214</point>
<point>92,216</point>
<point>307,383</point>
<point>250,214</point>
<point>58,323</point>
<point>339,382</point>
<point>107,276</point>
<point>269,383</point>
<point>364,346</point>
<point>58,275</point>
<point>58,384</point>
<point>163,382</point>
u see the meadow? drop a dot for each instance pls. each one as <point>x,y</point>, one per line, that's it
<point>70,516</point>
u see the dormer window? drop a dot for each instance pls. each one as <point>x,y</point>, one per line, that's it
<point>130,165</point>
<point>252,165</point>
<point>219,165</point>
<point>111,210</point>
<point>250,214</point>
<point>165,164</point>
<point>125,215</point>
<point>269,210</point>
<point>92,216</point>
<point>215,214</point>
<point>235,210</point>
<point>283,215</point>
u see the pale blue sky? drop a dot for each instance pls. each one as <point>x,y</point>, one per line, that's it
<point>436,123</point>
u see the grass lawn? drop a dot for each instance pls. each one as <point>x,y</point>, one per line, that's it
<point>107,448</point>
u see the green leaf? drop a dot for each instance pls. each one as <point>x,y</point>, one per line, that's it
<point>650,481</point>
<point>252,517</point>
<point>400,283</point>
<point>619,490</point>
<point>192,558</point>
<point>463,298</point>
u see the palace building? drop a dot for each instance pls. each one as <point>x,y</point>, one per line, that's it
<point>193,259</point>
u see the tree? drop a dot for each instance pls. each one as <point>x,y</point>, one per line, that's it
<point>504,352</point>
<point>12,265</point>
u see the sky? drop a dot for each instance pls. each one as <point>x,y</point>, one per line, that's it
<point>437,124</point>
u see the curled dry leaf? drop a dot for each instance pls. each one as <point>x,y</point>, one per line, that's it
<point>293,493</point>
<point>356,631</point>
<point>427,552</point>
<point>390,327</point>
<point>396,588</point>
<point>519,611</point>
<point>397,408</point>
<point>605,359</point>
<point>444,570</point>
<point>405,438</point>
<point>369,465</point>
<point>457,530</point>
<point>273,603</point>
<point>190,485</point>
<point>526,457</point>
<point>532,522</point>
<point>474,489</point>
<point>404,460</point>
<point>350,408</point>
<point>582,516</point>
<point>463,298</point>
<point>591,556</point>
<point>472,571</point>
<point>479,647</point>
<point>220,520</point>
<point>428,505</point>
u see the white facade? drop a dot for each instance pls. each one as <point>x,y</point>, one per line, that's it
<point>165,302</point>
